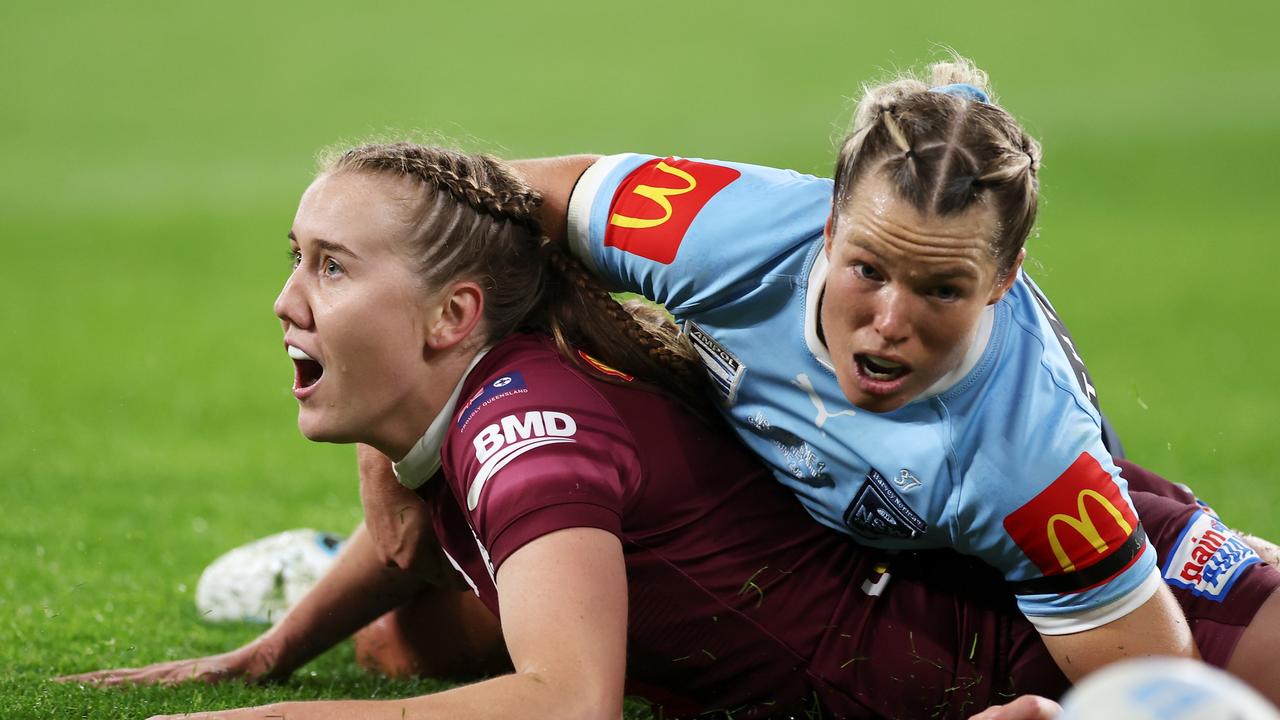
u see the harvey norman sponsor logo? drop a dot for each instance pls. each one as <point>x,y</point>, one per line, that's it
<point>512,436</point>
<point>1207,558</point>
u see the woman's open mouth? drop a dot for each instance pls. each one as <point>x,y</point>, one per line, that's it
<point>880,375</point>
<point>306,372</point>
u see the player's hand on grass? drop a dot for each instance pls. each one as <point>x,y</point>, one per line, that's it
<point>264,712</point>
<point>1024,707</point>
<point>251,663</point>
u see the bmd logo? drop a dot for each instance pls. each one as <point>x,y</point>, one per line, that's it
<point>498,444</point>
<point>1077,521</point>
<point>655,205</point>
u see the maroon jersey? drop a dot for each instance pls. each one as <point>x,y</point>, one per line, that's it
<point>739,602</point>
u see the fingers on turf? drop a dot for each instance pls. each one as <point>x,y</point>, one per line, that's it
<point>97,677</point>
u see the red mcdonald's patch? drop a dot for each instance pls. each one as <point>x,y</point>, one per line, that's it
<point>1077,521</point>
<point>654,206</point>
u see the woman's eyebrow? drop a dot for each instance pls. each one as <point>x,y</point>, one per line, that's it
<point>954,272</point>
<point>328,246</point>
<point>335,247</point>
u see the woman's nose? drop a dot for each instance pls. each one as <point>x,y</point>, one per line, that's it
<point>291,304</point>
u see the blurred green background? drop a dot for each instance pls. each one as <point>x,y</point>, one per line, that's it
<point>153,154</point>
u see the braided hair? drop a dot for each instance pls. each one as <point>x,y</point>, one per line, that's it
<point>479,221</point>
<point>944,153</point>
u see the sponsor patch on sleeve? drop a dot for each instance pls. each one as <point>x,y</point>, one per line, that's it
<point>1208,558</point>
<point>725,369</point>
<point>655,205</point>
<point>1080,527</point>
<point>498,444</point>
<point>500,387</point>
<point>878,509</point>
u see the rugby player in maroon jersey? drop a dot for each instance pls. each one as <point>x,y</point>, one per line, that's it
<point>614,534</point>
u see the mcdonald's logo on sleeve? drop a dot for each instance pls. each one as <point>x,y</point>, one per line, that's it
<point>1080,525</point>
<point>655,205</point>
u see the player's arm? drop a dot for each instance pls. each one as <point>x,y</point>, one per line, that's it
<point>554,178</point>
<point>564,616</point>
<point>1157,627</point>
<point>1081,565</point>
<point>398,521</point>
<point>358,589</point>
<point>1025,707</point>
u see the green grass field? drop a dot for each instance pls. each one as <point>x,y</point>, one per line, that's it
<point>153,154</point>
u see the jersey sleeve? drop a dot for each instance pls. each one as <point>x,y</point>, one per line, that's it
<point>693,235</point>
<point>548,454</point>
<point>1067,538</point>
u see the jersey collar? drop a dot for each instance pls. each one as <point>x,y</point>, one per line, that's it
<point>977,346</point>
<point>423,459</point>
<point>813,303</point>
<point>812,338</point>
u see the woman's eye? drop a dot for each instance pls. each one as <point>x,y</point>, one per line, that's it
<point>946,292</point>
<point>331,267</point>
<point>295,258</point>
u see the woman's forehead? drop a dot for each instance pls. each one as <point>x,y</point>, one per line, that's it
<point>875,218</point>
<point>357,209</point>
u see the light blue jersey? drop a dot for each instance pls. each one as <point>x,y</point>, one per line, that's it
<point>1002,459</point>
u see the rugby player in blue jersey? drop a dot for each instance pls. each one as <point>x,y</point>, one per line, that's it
<point>877,342</point>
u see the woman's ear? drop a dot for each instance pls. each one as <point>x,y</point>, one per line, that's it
<point>1003,286</point>
<point>457,311</point>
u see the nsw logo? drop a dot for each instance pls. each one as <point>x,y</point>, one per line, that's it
<point>1208,558</point>
<point>879,511</point>
<point>498,444</point>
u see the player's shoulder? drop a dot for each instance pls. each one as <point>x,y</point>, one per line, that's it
<point>1040,342</point>
<point>1039,390</point>
<point>522,396</point>
<point>646,204</point>
<point>519,373</point>
<point>700,176</point>
<point>694,235</point>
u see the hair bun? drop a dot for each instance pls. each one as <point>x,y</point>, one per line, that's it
<point>959,71</point>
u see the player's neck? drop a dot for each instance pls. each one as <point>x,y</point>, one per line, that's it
<point>428,395</point>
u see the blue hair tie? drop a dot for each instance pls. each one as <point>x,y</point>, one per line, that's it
<point>964,90</point>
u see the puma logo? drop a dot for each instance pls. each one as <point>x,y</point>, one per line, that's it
<point>802,381</point>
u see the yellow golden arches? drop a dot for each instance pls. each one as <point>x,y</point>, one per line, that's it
<point>659,195</point>
<point>1083,524</point>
